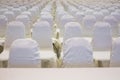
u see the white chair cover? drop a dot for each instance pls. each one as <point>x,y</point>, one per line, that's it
<point>102,38</point>
<point>72,29</point>
<point>77,52</point>
<point>115,54</point>
<point>3,25</point>
<point>24,53</point>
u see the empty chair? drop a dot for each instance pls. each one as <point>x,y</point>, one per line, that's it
<point>10,15</point>
<point>16,11</point>
<point>89,12</point>
<point>116,15</point>
<point>115,54</point>
<point>72,10</point>
<point>99,16</point>
<point>23,8</point>
<point>111,9</point>
<point>3,25</point>
<point>2,11</point>
<point>43,35</point>
<point>102,38</point>
<point>88,23</point>
<point>72,29</point>
<point>34,14</point>
<point>119,29</point>
<point>26,21</point>
<point>113,22</point>
<point>105,12</point>
<point>28,14</point>
<point>102,43</point>
<point>15,30</point>
<point>117,10</point>
<point>79,16</point>
<point>65,19</point>
<point>24,53</point>
<point>48,18</point>
<point>77,52</point>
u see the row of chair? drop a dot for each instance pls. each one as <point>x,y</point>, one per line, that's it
<point>99,28</point>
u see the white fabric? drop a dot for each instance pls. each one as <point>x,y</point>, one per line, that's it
<point>24,53</point>
<point>65,19</point>
<point>3,25</point>
<point>48,58</point>
<point>89,12</point>
<point>34,14</point>
<point>105,12</point>
<point>77,51</point>
<point>42,34</point>
<point>88,23</point>
<point>115,54</point>
<point>116,15</point>
<point>113,22</point>
<point>10,15</point>
<point>15,30</point>
<point>23,8</point>
<point>16,11</point>
<point>48,18</point>
<point>99,16</point>
<point>72,29</point>
<point>79,16</point>
<point>59,14</point>
<point>26,21</point>
<point>2,11</point>
<point>28,14</point>
<point>102,38</point>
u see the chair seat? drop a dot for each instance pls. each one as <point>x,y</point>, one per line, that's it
<point>101,55</point>
<point>47,54</point>
<point>48,58</point>
<point>4,56</point>
<point>102,58</point>
<point>89,39</point>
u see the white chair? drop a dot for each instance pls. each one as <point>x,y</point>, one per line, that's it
<point>115,54</point>
<point>34,14</point>
<point>88,23</point>
<point>116,15</point>
<point>113,22</point>
<point>24,53</point>
<point>26,21</point>
<point>79,16</point>
<point>23,8</point>
<point>3,25</point>
<point>15,30</point>
<point>10,15</point>
<point>65,19</point>
<point>77,52</point>
<point>102,38</point>
<point>99,16</point>
<point>43,35</point>
<point>102,43</point>
<point>28,14</point>
<point>16,11</point>
<point>72,29</point>
<point>72,10</point>
<point>117,10</point>
<point>105,12</point>
<point>89,12</point>
<point>48,18</point>
<point>2,11</point>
